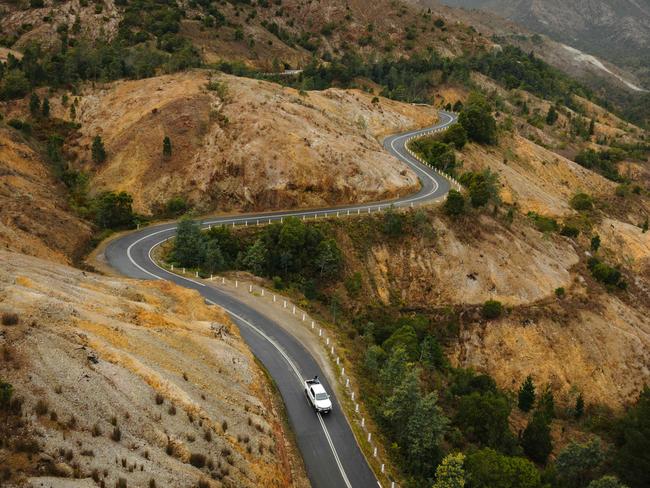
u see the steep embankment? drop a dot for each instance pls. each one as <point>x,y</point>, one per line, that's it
<point>123,379</point>
<point>35,217</point>
<point>244,144</point>
<point>590,341</point>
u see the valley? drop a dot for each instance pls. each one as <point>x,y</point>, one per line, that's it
<point>460,204</point>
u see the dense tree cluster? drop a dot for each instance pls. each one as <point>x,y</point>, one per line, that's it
<point>609,276</point>
<point>407,411</point>
<point>477,120</point>
<point>633,441</point>
<point>114,210</point>
<point>483,187</point>
<point>133,54</point>
<point>438,154</point>
<point>603,162</point>
<point>516,69</point>
<point>291,250</point>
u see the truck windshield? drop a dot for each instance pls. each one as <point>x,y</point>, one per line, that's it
<point>321,396</point>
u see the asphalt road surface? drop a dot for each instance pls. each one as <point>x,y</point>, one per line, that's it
<point>330,452</point>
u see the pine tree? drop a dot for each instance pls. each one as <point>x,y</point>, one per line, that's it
<point>45,108</point>
<point>34,104</point>
<point>98,150</point>
<point>214,260</point>
<point>167,147</point>
<point>536,439</point>
<point>188,246</point>
<point>595,243</point>
<point>527,394</point>
<point>546,403</point>
<point>73,112</point>
<point>551,116</point>
<point>592,127</point>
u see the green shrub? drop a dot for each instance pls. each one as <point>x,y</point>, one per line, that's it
<point>393,223</point>
<point>543,224</point>
<point>595,243</point>
<point>582,201</point>
<point>20,125</point>
<point>560,292</point>
<point>278,283</point>
<point>10,318</point>
<point>622,191</point>
<point>176,206</point>
<point>611,277</point>
<point>197,460</point>
<point>492,309</point>
<point>569,231</point>
<point>454,204</point>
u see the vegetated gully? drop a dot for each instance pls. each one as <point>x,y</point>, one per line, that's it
<point>329,449</point>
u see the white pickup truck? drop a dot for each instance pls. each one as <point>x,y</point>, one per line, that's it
<point>317,396</point>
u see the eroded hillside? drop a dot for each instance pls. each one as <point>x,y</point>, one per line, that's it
<point>591,341</point>
<point>35,217</point>
<point>117,379</point>
<point>244,144</point>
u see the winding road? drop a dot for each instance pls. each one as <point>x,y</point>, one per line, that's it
<point>331,454</point>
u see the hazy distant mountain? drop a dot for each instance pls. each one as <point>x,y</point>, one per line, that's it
<point>618,30</point>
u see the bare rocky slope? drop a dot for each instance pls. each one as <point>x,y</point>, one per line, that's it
<point>35,217</point>
<point>122,379</point>
<point>592,342</point>
<point>248,144</point>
